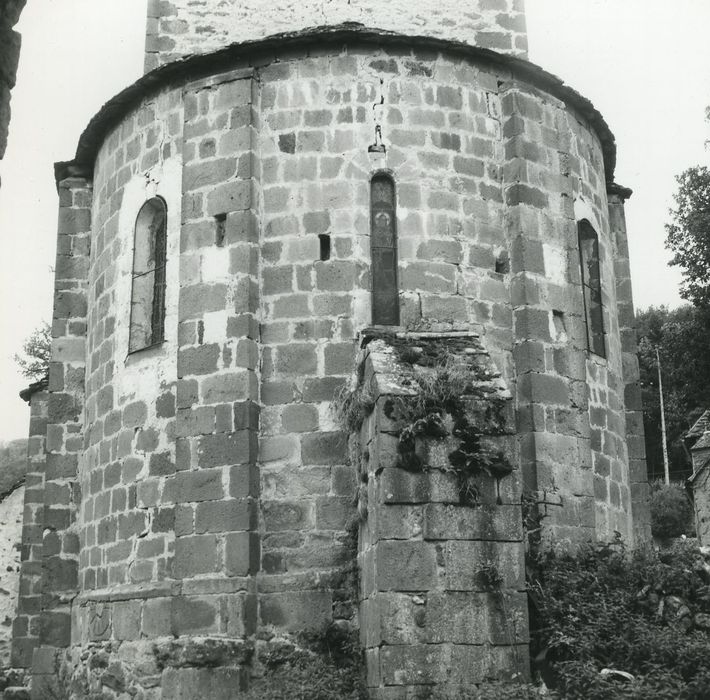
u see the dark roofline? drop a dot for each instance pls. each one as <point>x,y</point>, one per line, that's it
<point>615,188</point>
<point>694,476</point>
<point>41,385</point>
<point>204,64</point>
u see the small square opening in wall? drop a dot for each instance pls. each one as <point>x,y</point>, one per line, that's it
<point>503,263</point>
<point>324,239</point>
<point>220,222</point>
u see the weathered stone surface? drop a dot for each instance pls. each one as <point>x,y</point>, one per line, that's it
<point>324,448</point>
<point>208,652</point>
<point>213,683</point>
<point>406,566</point>
<point>448,522</point>
<point>298,610</point>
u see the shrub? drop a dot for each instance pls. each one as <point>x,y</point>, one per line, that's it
<point>639,614</point>
<point>671,512</point>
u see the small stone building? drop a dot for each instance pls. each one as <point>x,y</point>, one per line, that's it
<point>342,319</point>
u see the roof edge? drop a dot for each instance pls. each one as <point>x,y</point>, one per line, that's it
<point>195,65</point>
<point>41,385</point>
<point>620,190</point>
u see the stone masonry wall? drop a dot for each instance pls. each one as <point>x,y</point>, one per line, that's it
<point>9,56</point>
<point>571,417</point>
<point>179,28</point>
<point>126,530</point>
<point>217,393</point>
<point>26,625</point>
<point>65,429</point>
<point>635,441</point>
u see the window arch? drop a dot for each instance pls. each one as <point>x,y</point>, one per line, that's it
<point>383,249</point>
<point>591,287</point>
<point>147,324</point>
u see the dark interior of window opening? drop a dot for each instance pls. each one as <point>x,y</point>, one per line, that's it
<point>220,222</point>
<point>324,240</point>
<point>591,287</point>
<point>148,279</point>
<point>383,248</point>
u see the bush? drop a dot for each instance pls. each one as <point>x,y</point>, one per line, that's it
<point>645,614</point>
<point>671,512</point>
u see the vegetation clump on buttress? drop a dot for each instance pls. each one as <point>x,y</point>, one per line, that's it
<point>454,397</point>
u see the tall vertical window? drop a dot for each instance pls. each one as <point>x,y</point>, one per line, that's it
<point>383,247</point>
<point>148,288</point>
<point>591,287</point>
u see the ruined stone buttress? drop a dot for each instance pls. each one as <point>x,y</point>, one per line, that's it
<point>342,322</point>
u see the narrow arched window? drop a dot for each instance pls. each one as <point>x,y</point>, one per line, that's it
<point>148,285</point>
<point>383,247</point>
<point>591,287</point>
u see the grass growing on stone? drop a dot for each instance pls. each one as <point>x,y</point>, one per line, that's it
<point>352,407</point>
<point>448,385</point>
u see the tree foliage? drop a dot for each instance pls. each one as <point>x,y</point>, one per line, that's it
<point>682,337</point>
<point>36,353</point>
<point>688,234</point>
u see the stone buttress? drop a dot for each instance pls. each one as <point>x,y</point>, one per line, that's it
<point>442,557</point>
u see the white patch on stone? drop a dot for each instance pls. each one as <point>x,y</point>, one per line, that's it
<point>215,326</point>
<point>558,331</point>
<point>215,264</point>
<point>362,309</point>
<point>326,417</point>
<point>555,264</point>
<point>583,210</point>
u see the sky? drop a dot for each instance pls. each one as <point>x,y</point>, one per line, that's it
<point>645,64</point>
